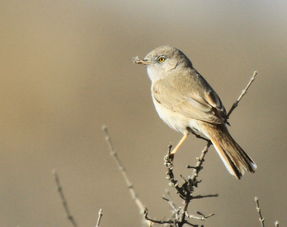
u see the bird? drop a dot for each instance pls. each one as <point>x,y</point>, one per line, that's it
<point>187,103</point>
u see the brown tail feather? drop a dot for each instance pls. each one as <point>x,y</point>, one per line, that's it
<point>233,156</point>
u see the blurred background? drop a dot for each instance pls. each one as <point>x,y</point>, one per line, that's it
<point>66,70</point>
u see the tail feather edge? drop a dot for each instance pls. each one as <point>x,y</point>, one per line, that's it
<point>235,159</point>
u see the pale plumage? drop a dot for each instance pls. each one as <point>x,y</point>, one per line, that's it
<point>185,101</point>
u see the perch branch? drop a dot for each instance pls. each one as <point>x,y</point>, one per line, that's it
<point>184,190</point>
<point>63,199</point>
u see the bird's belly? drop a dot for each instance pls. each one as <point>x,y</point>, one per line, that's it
<point>174,120</point>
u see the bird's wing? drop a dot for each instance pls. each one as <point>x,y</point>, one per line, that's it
<point>190,96</point>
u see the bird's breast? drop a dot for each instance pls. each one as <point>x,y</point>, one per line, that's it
<point>174,120</point>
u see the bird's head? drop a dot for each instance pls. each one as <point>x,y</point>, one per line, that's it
<point>162,61</point>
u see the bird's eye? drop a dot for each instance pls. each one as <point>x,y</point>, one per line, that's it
<point>161,59</point>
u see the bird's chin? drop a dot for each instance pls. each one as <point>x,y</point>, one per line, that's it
<point>153,73</point>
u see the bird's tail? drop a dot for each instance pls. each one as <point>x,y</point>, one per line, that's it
<point>236,161</point>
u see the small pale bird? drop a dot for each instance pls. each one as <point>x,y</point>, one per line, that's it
<point>187,103</point>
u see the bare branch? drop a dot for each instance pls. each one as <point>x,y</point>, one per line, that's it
<point>186,189</point>
<point>261,218</point>
<point>157,221</point>
<point>170,222</point>
<point>168,162</point>
<point>202,217</point>
<point>204,196</point>
<point>100,215</point>
<point>175,209</point>
<point>170,203</point>
<point>63,199</point>
<point>123,171</point>
<point>244,91</point>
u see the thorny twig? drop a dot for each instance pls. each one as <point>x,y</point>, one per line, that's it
<point>63,199</point>
<point>100,215</point>
<point>186,189</point>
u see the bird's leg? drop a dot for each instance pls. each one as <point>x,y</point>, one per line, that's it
<point>179,143</point>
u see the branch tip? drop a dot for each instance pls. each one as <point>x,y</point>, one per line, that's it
<point>100,215</point>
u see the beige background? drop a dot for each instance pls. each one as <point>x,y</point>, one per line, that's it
<point>66,69</point>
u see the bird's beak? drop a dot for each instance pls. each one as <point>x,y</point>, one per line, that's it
<point>145,61</point>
